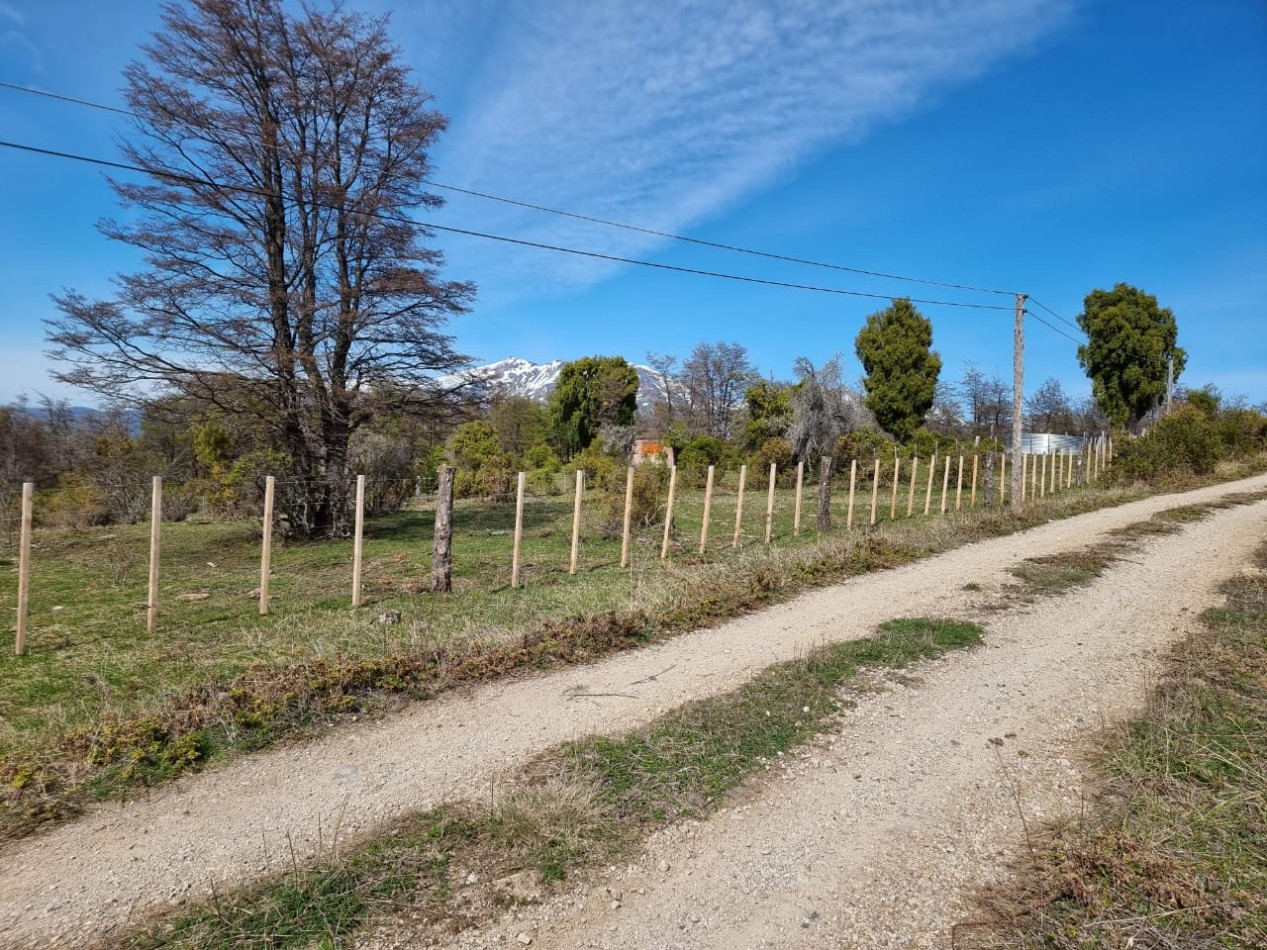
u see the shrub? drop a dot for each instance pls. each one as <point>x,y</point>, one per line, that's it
<point>650,494</point>
<point>776,451</point>
<point>1181,445</point>
<point>695,457</point>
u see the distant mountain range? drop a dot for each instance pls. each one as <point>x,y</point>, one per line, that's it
<point>519,377</point>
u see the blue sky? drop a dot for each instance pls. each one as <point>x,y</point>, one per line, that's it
<point>1046,147</point>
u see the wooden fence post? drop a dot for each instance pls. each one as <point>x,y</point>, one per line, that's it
<point>824,494</point>
<point>668,513</point>
<point>959,486</point>
<point>769,504</point>
<point>910,498</point>
<point>972,499</point>
<point>708,510</point>
<point>945,484</point>
<point>358,541</point>
<point>624,534</point>
<point>897,474</point>
<point>1033,477</point>
<point>1042,477</point>
<point>1069,470</point>
<point>576,521</point>
<point>442,536</point>
<point>1024,473</point>
<point>743,478</point>
<point>928,493</point>
<point>520,484</point>
<point>24,566</point>
<point>796,509</point>
<point>266,545</point>
<point>853,478</point>
<point>156,522</point>
<point>1002,474</point>
<point>875,489</point>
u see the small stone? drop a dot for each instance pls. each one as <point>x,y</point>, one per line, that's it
<point>616,905</point>
<point>524,938</point>
<point>663,866</point>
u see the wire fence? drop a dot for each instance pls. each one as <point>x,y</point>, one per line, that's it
<point>652,512</point>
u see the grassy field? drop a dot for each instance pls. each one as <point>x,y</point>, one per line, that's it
<point>1173,851</point>
<point>98,705</point>
<point>90,653</point>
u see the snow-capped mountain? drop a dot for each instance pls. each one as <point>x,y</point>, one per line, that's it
<point>519,377</point>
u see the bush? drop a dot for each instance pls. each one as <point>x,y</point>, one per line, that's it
<point>1181,445</point>
<point>601,470</point>
<point>650,494</point>
<point>695,457</point>
<point>776,451</point>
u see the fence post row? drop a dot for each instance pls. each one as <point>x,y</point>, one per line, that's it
<point>576,522</point>
<point>668,513</point>
<point>624,533</point>
<point>853,478</point>
<point>708,510</point>
<point>769,504</point>
<point>358,541</point>
<point>156,522</point>
<point>442,536</point>
<point>875,489</point>
<point>796,511</point>
<point>266,544</point>
<point>520,485</point>
<point>897,474</point>
<point>24,566</point>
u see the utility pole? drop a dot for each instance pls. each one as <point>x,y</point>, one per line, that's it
<point>1170,381</point>
<point>1018,395</point>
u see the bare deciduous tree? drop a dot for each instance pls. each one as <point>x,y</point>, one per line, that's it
<point>283,278</point>
<point>714,379</point>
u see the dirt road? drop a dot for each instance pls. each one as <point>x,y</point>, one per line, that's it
<point>874,839</point>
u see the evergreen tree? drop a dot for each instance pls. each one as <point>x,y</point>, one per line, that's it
<point>1129,339</point>
<point>901,382</point>
<point>592,392</point>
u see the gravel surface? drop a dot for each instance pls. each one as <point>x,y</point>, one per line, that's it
<point>865,841</point>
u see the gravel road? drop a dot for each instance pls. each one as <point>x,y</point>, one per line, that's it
<point>865,841</point>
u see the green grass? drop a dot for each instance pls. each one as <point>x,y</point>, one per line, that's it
<point>1057,573</point>
<point>1174,853</point>
<point>573,808</point>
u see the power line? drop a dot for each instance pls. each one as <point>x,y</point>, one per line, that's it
<point>1056,315</point>
<point>1052,327</point>
<point>398,219</point>
<point>770,255</point>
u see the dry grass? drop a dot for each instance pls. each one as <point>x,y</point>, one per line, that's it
<point>1174,852</point>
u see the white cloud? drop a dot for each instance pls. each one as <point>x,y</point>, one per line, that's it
<point>8,12</point>
<point>666,113</point>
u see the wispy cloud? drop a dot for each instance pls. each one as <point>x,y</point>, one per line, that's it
<point>8,12</point>
<point>665,114</point>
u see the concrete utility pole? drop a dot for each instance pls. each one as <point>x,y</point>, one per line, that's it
<point>1018,395</point>
<point>1170,381</point>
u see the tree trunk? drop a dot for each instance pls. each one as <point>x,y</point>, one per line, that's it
<point>442,548</point>
<point>824,494</point>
